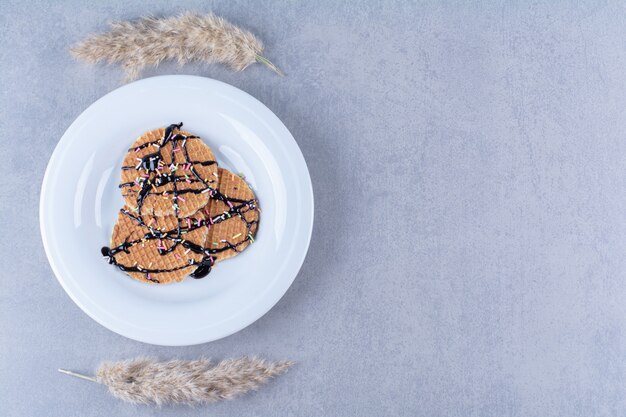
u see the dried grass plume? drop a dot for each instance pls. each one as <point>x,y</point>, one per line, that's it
<point>186,38</point>
<point>147,381</point>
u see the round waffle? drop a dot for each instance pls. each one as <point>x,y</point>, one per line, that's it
<point>157,249</point>
<point>168,172</point>
<point>232,216</point>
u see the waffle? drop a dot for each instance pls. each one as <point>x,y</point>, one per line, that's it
<point>168,172</point>
<point>155,249</point>
<point>232,216</point>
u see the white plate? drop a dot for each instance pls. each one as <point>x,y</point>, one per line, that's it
<point>80,200</point>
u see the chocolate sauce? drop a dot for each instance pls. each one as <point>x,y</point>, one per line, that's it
<point>150,163</point>
<point>203,269</point>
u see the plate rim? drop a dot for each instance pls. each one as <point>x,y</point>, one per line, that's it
<point>61,146</point>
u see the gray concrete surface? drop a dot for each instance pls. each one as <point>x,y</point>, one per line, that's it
<point>468,257</point>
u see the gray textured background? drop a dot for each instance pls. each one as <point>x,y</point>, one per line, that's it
<point>470,229</point>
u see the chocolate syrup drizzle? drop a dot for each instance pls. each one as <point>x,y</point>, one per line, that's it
<point>150,163</point>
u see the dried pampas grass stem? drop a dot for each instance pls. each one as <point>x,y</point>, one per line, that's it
<point>147,381</point>
<point>186,38</point>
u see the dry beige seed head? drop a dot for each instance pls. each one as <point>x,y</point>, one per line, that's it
<point>186,38</point>
<point>147,381</point>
